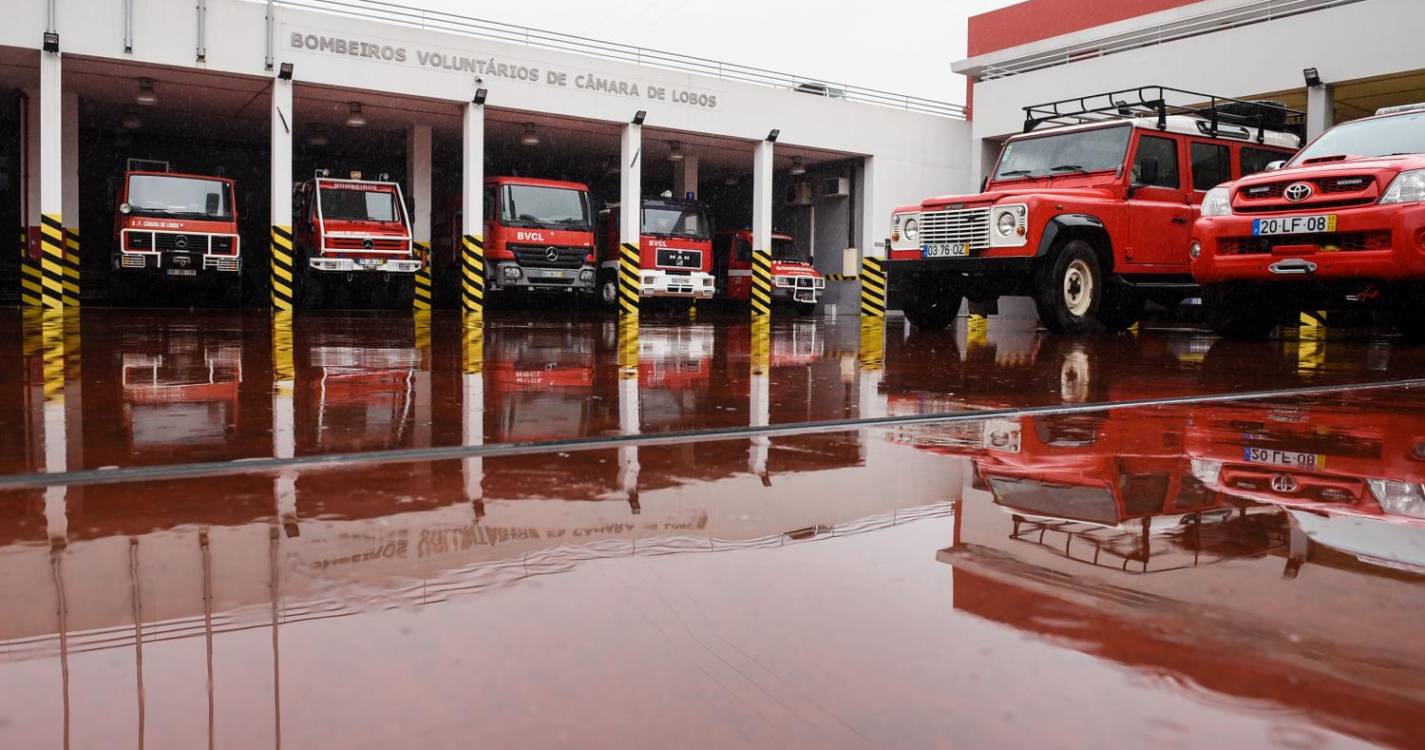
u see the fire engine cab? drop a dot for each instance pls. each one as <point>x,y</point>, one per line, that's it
<point>675,251</point>
<point>350,231</point>
<point>179,227</point>
<point>1089,218</point>
<point>1343,221</point>
<point>794,280</point>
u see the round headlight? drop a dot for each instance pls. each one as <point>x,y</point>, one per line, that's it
<point>1006,224</point>
<point>912,230</point>
<point>125,208</point>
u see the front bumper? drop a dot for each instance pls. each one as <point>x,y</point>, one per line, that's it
<point>177,265</point>
<point>808,291</point>
<point>1404,260</point>
<point>694,285</point>
<point>538,279</point>
<point>377,265</point>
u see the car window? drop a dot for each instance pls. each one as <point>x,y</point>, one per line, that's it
<point>1211,165</point>
<point>1255,160</point>
<point>490,204</point>
<point>1165,151</point>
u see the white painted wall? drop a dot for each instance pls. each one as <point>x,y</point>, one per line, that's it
<point>916,154</point>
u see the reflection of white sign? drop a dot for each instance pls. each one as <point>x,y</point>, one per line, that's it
<point>396,53</point>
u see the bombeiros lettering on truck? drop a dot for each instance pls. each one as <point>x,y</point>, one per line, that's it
<point>1088,211</point>
<point>172,228</point>
<point>353,238</point>
<point>1340,225</point>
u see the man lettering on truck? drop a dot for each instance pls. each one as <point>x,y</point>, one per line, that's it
<point>176,229</point>
<point>1090,218</point>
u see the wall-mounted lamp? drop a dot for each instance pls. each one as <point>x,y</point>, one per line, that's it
<point>146,95</point>
<point>51,41</point>
<point>354,118</point>
<point>1312,76</point>
<point>772,136</point>
<point>480,95</point>
<point>639,116</point>
<point>284,71</point>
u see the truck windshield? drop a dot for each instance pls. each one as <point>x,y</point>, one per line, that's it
<point>547,207</point>
<point>1092,504</point>
<point>1386,136</point>
<point>1079,151</point>
<point>358,205</point>
<point>679,221</point>
<point>784,249</point>
<point>192,197</point>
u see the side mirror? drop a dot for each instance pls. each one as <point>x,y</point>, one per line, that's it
<point>984,183</point>
<point>1147,171</point>
<point>1275,165</point>
<point>210,206</point>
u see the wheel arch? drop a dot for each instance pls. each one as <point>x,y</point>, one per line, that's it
<point>1067,227</point>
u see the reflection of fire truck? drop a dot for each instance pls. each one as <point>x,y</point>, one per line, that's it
<point>362,397</point>
<point>350,232</point>
<point>539,382</point>
<point>185,398</point>
<point>675,251</point>
<point>794,280</point>
<point>538,234</point>
<point>177,227</point>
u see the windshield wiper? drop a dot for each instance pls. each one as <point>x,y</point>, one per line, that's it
<point>1016,173</point>
<point>1068,168</point>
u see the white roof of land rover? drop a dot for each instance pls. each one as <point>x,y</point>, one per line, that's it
<point>1182,124</point>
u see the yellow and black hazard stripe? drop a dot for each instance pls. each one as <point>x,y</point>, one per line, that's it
<point>873,344</point>
<point>761,344</point>
<point>52,336</point>
<point>474,348</point>
<point>284,368</point>
<point>873,288</point>
<point>472,275</point>
<point>839,276</point>
<point>761,294</point>
<point>628,347</point>
<point>51,261</point>
<point>422,299</point>
<point>71,266</point>
<point>31,280</point>
<point>283,269</point>
<point>629,288</point>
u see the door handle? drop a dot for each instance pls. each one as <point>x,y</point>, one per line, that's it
<point>1180,220</point>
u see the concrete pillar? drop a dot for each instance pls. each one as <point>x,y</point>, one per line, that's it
<point>284,417</point>
<point>472,204</point>
<point>418,178</point>
<point>685,177</point>
<point>69,148</point>
<point>760,298</point>
<point>51,181</point>
<point>1320,110</point>
<point>871,275</point>
<point>282,270</point>
<point>630,218</point>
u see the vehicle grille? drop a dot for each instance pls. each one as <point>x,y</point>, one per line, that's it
<point>184,243</point>
<point>1342,241</point>
<point>670,258</point>
<point>970,226</point>
<point>1350,190</point>
<point>358,243</point>
<point>532,256</point>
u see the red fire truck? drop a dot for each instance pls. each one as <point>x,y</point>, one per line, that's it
<point>675,251</point>
<point>1089,218</point>
<point>351,232</point>
<point>176,227</point>
<point>1343,221</point>
<point>794,280</point>
<point>539,237</point>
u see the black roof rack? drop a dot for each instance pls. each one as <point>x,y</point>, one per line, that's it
<point>1154,101</point>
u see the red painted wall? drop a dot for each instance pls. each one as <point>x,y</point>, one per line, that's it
<point>1033,20</point>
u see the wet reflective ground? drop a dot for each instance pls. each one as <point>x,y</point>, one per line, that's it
<point>362,558</point>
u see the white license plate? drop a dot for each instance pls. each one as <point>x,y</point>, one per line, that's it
<point>951,250</point>
<point>1319,224</point>
<point>1287,459</point>
<point>370,263</point>
<point>543,274</point>
<point>182,272</point>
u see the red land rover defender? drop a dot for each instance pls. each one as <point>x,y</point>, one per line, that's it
<point>350,231</point>
<point>539,237</point>
<point>1344,220</point>
<point>675,251</point>
<point>794,280</point>
<point>177,226</point>
<point>1090,218</point>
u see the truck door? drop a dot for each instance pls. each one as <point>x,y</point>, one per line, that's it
<point>740,275</point>
<point>1159,214</point>
<point>721,248</point>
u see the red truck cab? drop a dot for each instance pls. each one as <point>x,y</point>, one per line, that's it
<point>675,251</point>
<point>1089,218</point>
<point>177,226</point>
<point>350,230</point>
<point>1344,220</point>
<point>794,280</point>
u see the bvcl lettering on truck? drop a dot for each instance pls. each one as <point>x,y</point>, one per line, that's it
<point>353,232</point>
<point>675,251</point>
<point>1088,211</point>
<point>179,228</point>
<point>794,280</point>
<point>1342,224</point>
<point>538,235</point>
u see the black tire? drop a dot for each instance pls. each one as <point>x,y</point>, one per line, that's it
<point>932,305</point>
<point>1121,307</point>
<point>805,309</point>
<point>608,290</point>
<point>1240,311</point>
<point>1069,289</point>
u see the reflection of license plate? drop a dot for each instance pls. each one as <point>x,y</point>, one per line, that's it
<point>804,296</point>
<point>951,250</point>
<point>1289,459</point>
<point>370,263</point>
<point>182,272</point>
<point>1295,225</point>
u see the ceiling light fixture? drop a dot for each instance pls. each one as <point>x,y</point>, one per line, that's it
<point>146,95</point>
<point>675,151</point>
<point>354,118</point>
<point>797,167</point>
<point>530,138</point>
